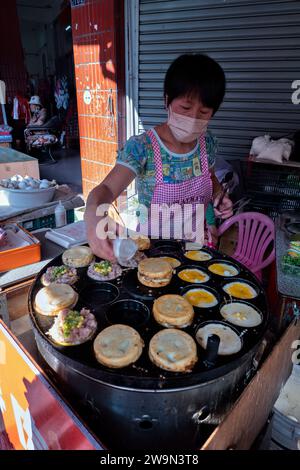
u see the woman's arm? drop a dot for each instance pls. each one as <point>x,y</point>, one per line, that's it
<point>105,193</point>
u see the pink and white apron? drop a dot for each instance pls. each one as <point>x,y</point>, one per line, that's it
<point>188,194</point>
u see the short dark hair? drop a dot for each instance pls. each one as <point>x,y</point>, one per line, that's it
<point>196,75</point>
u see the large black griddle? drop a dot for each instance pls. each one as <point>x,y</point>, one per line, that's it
<point>125,298</point>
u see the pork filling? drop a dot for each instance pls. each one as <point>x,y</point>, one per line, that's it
<point>72,326</point>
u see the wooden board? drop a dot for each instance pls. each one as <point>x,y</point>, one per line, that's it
<point>250,412</point>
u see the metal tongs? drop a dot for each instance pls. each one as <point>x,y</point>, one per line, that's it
<point>225,183</point>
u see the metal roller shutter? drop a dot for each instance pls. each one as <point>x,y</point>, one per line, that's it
<point>258,44</point>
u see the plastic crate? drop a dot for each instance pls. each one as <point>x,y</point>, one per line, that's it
<point>278,183</point>
<point>273,189</point>
<point>268,204</point>
<point>48,221</point>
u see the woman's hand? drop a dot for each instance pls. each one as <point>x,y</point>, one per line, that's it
<point>223,209</point>
<point>100,246</point>
<point>98,202</point>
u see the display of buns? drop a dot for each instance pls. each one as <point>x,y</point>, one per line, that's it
<point>118,346</point>
<point>173,311</point>
<point>52,299</point>
<point>78,257</point>
<point>154,272</point>
<point>173,350</point>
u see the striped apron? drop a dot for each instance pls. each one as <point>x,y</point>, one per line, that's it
<point>187,196</point>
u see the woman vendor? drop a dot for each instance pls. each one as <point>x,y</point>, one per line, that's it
<point>173,162</point>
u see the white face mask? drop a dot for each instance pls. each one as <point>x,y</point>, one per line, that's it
<point>184,128</point>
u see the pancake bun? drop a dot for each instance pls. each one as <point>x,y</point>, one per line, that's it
<point>154,272</point>
<point>78,257</point>
<point>173,311</point>
<point>118,346</point>
<point>142,241</point>
<point>55,297</point>
<point>173,350</point>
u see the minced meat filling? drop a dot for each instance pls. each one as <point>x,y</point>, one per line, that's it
<point>71,321</point>
<point>103,268</point>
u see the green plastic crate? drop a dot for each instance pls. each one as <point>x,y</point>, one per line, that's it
<point>47,221</point>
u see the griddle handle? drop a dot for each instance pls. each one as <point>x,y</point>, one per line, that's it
<point>212,349</point>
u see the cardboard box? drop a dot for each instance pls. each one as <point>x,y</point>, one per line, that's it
<point>13,163</point>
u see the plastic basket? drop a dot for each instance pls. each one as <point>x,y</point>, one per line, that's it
<point>47,221</point>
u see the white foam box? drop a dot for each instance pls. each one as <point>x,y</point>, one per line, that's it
<point>13,163</point>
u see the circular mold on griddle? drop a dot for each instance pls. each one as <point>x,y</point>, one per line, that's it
<point>189,271</point>
<point>128,312</point>
<point>229,269</point>
<point>96,295</point>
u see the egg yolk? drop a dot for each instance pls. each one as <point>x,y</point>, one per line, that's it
<point>241,291</point>
<point>197,255</point>
<point>239,316</point>
<point>199,298</point>
<point>192,275</point>
<point>221,269</point>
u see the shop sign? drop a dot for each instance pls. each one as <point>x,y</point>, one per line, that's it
<point>33,416</point>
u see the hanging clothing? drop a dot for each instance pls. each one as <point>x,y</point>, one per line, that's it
<point>21,109</point>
